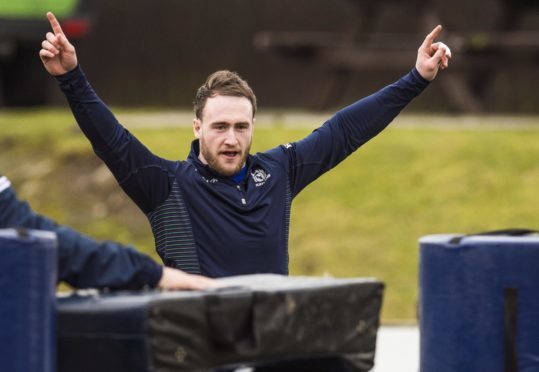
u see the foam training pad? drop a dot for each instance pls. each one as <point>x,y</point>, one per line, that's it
<point>479,303</point>
<point>27,300</point>
<point>256,318</point>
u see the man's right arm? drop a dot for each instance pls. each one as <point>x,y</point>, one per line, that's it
<point>143,175</point>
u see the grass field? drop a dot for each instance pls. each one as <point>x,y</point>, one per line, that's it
<point>423,175</point>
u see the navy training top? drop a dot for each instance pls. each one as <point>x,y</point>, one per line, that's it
<point>207,224</point>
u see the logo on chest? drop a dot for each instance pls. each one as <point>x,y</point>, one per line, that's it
<point>260,177</point>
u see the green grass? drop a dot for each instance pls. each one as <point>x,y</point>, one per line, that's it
<point>363,218</point>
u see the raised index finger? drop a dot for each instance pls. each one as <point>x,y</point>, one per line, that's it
<point>54,24</point>
<point>432,36</point>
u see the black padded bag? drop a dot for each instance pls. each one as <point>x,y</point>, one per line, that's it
<point>256,320</point>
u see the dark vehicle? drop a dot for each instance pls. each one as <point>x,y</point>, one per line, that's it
<point>23,25</point>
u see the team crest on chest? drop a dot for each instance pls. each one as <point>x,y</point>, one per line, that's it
<point>260,177</point>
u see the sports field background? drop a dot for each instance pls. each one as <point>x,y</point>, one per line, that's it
<point>424,175</point>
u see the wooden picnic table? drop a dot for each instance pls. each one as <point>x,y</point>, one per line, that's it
<point>478,55</point>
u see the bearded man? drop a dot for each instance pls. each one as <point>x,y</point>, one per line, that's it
<point>224,211</point>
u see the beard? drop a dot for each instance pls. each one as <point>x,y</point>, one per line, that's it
<point>217,164</point>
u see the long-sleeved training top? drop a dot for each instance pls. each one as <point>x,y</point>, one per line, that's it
<point>82,261</point>
<point>207,224</point>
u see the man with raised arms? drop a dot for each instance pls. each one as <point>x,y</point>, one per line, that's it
<point>224,211</point>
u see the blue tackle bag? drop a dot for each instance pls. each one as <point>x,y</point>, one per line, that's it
<point>27,301</point>
<point>479,302</point>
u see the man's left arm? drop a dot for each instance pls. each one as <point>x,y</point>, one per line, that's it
<point>356,124</point>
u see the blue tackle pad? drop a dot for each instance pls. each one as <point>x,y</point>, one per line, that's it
<point>28,270</point>
<point>479,302</point>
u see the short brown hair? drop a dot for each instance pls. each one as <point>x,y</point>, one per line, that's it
<point>224,83</point>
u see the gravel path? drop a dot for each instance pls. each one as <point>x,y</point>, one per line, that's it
<point>293,119</point>
<point>397,349</point>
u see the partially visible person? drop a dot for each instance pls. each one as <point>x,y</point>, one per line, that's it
<point>86,263</point>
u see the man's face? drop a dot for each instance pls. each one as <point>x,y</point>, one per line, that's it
<point>225,133</point>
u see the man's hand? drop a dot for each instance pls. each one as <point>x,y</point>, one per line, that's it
<point>57,53</point>
<point>177,279</point>
<point>432,56</point>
